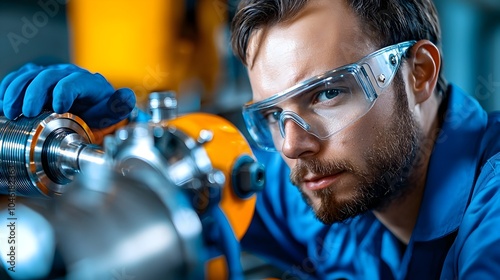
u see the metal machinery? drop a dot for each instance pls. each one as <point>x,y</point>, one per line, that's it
<point>165,199</point>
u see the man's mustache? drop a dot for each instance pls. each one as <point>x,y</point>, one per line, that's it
<point>319,168</point>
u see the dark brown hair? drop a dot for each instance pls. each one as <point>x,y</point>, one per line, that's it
<point>390,22</point>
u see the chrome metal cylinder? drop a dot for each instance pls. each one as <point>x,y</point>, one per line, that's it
<point>162,106</point>
<point>40,156</point>
<point>174,154</point>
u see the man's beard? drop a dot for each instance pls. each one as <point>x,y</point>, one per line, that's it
<point>389,161</point>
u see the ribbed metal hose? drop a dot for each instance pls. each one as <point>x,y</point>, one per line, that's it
<point>14,136</point>
<point>30,153</point>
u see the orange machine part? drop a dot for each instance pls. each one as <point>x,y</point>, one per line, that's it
<point>143,45</point>
<point>225,147</point>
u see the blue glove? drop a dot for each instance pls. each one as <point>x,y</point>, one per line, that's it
<point>64,88</point>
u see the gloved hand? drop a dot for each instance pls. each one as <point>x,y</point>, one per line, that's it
<point>64,88</point>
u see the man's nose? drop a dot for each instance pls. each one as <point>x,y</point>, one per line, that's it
<point>297,142</point>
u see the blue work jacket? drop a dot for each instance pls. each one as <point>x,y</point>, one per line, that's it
<point>457,234</point>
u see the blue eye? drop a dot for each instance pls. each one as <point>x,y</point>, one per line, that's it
<point>328,94</point>
<point>272,116</point>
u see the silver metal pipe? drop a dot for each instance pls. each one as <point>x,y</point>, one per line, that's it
<point>162,106</point>
<point>40,156</point>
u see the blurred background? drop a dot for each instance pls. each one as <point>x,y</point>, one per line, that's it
<point>183,46</point>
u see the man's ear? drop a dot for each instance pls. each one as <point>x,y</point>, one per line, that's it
<point>424,65</point>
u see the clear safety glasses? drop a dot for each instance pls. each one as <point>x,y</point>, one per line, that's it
<point>327,103</point>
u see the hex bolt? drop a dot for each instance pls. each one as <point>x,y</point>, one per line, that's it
<point>248,177</point>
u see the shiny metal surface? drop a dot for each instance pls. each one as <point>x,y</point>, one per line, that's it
<point>168,150</point>
<point>131,208</point>
<point>141,224</point>
<point>162,106</point>
<point>38,156</point>
<point>107,225</point>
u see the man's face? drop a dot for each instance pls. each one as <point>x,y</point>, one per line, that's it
<point>366,164</point>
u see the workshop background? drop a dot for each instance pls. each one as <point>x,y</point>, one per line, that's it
<point>184,46</point>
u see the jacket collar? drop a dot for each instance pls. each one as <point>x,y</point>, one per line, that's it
<point>452,167</point>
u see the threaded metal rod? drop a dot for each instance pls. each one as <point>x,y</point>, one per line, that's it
<point>13,138</point>
<point>30,153</point>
